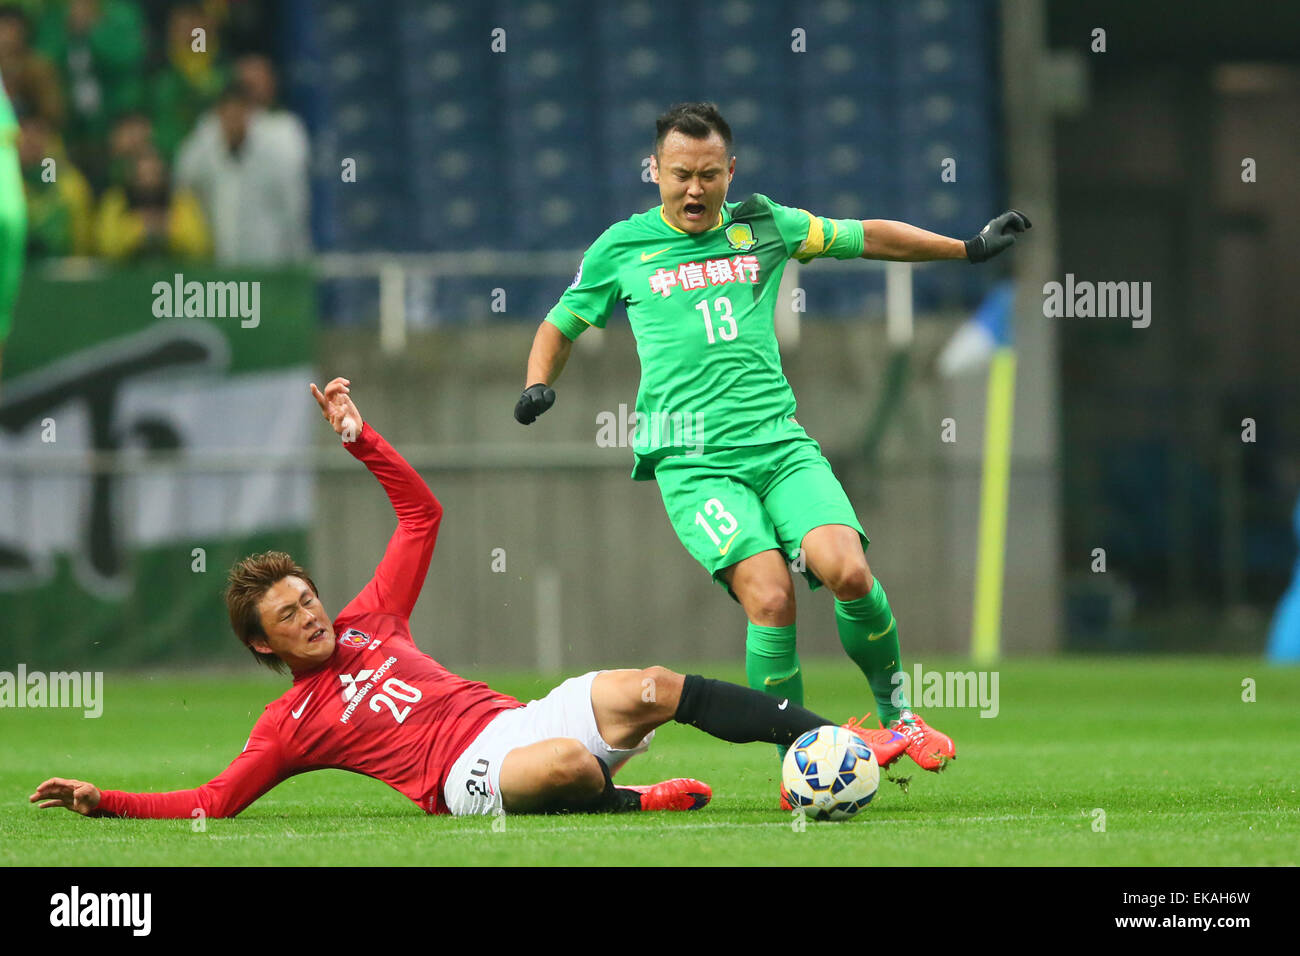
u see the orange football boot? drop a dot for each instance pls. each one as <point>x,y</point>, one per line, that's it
<point>887,745</point>
<point>928,747</point>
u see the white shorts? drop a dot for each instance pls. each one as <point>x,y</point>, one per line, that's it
<point>474,784</point>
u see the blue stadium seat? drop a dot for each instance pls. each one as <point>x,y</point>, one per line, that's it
<point>975,179</point>
<point>425,76</point>
<point>842,163</point>
<point>454,124</point>
<point>749,46</point>
<point>348,302</point>
<point>760,67</point>
<point>547,46</point>
<point>342,23</point>
<point>369,222</point>
<point>945,114</point>
<point>843,64</point>
<point>542,146</point>
<point>971,21</point>
<point>556,199</point>
<point>767,155</point>
<point>641,68</point>
<point>857,21</point>
<point>421,24</point>
<point>947,44</point>
<point>840,294</point>
<point>627,199</point>
<point>461,220</point>
<point>947,66</point>
<point>764,166</point>
<point>534,122</point>
<point>647,66</point>
<point>838,199</point>
<point>864,114</point>
<point>623,162</point>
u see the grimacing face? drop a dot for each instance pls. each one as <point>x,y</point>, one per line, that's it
<point>298,630</point>
<point>693,176</point>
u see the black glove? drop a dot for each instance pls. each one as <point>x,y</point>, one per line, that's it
<point>997,236</point>
<point>535,400</point>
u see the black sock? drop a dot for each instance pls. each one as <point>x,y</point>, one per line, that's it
<point>611,799</point>
<point>741,715</point>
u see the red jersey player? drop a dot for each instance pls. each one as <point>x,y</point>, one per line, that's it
<point>364,698</point>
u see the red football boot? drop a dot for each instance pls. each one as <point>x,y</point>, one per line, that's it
<point>887,745</point>
<point>682,793</point>
<point>930,749</point>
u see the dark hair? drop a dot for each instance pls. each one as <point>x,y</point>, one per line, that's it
<point>233,92</point>
<point>246,584</point>
<point>12,11</point>
<point>696,120</point>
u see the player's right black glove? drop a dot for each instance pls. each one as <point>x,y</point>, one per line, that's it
<point>997,236</point>
<point>535,400</point>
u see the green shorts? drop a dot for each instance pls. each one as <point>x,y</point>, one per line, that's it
<point>733,503</point>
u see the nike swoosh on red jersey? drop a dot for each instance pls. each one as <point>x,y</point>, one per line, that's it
<point>298,713</point>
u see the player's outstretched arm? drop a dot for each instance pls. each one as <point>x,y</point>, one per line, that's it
<point>258,768</point>
<point>397,581</point>
<point>546,361</point>
<point>901,242</point>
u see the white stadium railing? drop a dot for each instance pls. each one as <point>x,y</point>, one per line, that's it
<point>395,272</point>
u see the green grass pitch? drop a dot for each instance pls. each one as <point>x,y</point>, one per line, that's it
<point>1186,772</point>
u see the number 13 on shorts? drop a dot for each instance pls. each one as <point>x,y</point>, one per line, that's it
<point>727,526</point>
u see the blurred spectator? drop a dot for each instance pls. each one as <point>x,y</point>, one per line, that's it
<point>132,134</point>
<point>30,78</point>
<point>59,212</point>
<point>99,48</point>
<point>146,218</point>
<point>256,77</point>
<point>190,82</point>
<point>254,194</point>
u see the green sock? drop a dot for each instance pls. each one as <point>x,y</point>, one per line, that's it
<point>772,664</point>
<point>859,622</point>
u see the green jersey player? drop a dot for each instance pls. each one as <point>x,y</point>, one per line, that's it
<point>745,487</point>
<point>13,216</point>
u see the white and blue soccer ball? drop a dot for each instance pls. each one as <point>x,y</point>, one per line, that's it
<point>830,774</point>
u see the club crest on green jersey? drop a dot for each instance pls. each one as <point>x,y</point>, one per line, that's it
<point>740,236</point>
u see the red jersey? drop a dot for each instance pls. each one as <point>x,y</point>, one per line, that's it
<point>379,706</point>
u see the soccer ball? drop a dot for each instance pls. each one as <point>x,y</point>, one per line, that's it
<point>829,773</point>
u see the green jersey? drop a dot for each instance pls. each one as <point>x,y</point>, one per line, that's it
<point>702,308</point>
<point>8,121</point>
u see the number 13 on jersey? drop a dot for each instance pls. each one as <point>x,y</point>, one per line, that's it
<point>726,322</point>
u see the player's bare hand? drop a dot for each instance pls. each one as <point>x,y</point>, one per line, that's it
<point>75,795</point>
<point>337,407</point>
